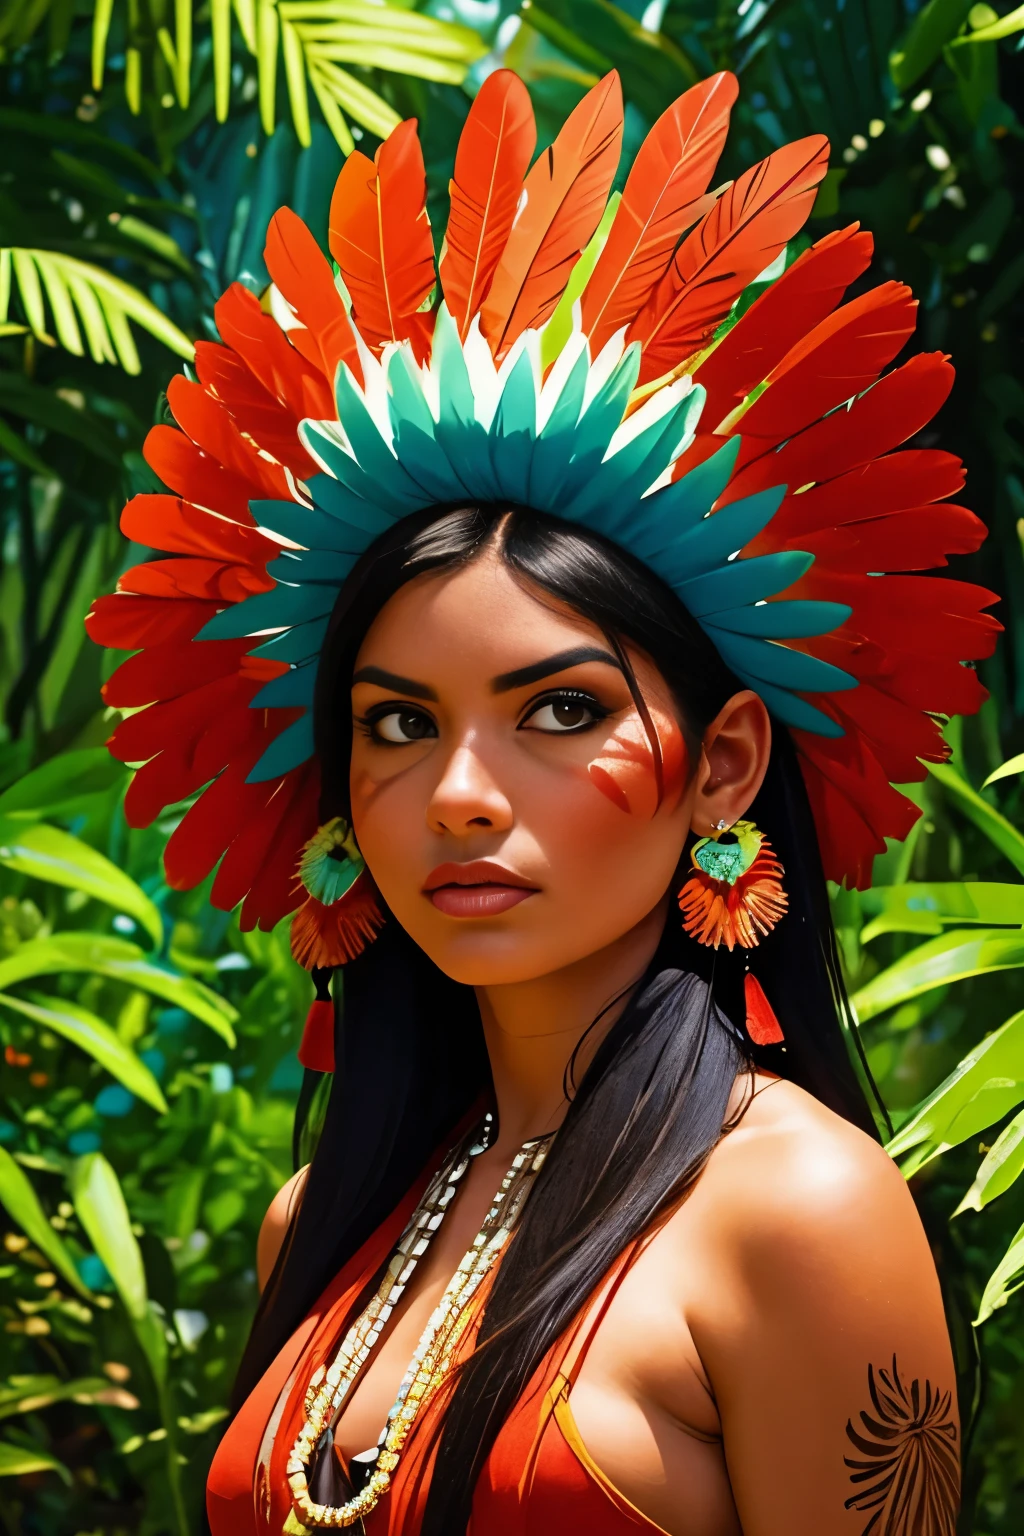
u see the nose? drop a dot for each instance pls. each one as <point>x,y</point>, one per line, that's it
<point>467,799</point>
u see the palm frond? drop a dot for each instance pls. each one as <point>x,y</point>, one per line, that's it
<point>82,298</point>
<point>313,39</point>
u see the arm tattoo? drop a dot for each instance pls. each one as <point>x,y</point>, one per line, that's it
<point>907,1475</point>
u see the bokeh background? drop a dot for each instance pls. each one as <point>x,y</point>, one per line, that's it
<point>148,1074</point>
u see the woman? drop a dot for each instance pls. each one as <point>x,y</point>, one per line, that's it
<point>561,635</point>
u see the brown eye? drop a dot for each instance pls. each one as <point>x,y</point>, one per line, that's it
<point>400,726</point>
<point>564,713</point>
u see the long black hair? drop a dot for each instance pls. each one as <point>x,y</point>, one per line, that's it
<point>651,1106</point>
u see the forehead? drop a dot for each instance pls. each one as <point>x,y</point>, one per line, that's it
<point>478,619</point>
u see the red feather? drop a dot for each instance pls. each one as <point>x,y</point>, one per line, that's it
<point>893,483</point>
<point>284,373</point>
<point>894,409</point>
<point>196,476</point>
<point>740,236</point>
<point>380,238</point>
<point>805,293</point>
<point>207,422</point>
<point>562,202</point>
<point>303,276</point>
<point>224,374</point>
<point>166,671</point>
<point>125,623</point>
<point>495,149</point>
<point>167,522</point>
<point>840,358</point>
<point>662,197</point>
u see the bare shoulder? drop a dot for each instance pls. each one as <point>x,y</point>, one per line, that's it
<point>275,1224</point>
<point>792,1163</point>
<point>795,1200</point>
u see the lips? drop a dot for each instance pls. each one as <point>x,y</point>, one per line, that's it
<point>477,889</point>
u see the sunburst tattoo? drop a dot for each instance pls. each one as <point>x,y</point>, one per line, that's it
<point>909,1477</point>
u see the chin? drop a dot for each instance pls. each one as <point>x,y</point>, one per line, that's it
<point>484,960</point>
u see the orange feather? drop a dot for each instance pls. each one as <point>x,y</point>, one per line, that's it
<point>741,235</point>
<point>380,238</point>
<point>562,202</point>
<point>495,150</point>
<point>303,275</point>
<point>663,196</point>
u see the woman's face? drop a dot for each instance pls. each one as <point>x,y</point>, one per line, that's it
<point>504,789</point>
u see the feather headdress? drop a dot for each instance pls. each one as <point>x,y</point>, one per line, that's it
<point>755,463</point>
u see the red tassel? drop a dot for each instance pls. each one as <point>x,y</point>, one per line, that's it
<point>317,1048</point>
<point>762,1025</point>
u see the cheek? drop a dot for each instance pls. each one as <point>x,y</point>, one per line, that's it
<point>627,771</point>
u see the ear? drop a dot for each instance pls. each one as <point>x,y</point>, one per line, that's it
<point>733,761</point>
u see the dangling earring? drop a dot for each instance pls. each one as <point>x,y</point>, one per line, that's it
<point>762,1025</point>
<point>341,913</point>
<point>734,895</point>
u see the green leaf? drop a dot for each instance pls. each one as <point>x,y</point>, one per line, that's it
<point>220,27</point>
<point>951,957</point>
<point>980,1090</point>
<point>47,853</point>
<point>38,404</point>
<point>17,1461</point>
<point>1000,832</point>
<point>94,1037</point>
<point>22,1204</point>
<point>26,1394</point>
<point>119,960</point>
<point>927,907</point>
<point>63,786</point>
<point>999,1288</point>
<point>1004,26</point>
<point>932,28</point>
<point>101,1209</point>
<point>1006,770</point>
<point>1003,1164</point>
<point>102,14</point>
<point>104,305</point>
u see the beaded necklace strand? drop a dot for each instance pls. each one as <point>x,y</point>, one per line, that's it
<point>438,1343</point>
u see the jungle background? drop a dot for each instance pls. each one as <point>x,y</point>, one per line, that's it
<point>148,1073</point>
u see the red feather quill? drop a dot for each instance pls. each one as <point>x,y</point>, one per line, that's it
<point>562,202</point>
<point>662,197</point>
<point>495,150</point>
<point>380,238</point>
<point>741,235</point>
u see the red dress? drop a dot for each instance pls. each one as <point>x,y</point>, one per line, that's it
<point>537,1480</point>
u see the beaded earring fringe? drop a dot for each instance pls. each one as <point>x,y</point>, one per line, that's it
<point>326,936</point>
<point>734,895</point>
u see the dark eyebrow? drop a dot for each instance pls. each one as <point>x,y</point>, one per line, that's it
<point>393,681</point>
<point>523,676</point>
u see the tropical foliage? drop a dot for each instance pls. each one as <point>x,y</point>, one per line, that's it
<point>148,1074</point>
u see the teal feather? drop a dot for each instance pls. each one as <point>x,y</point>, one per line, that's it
<point>278,609</point>
<point>553,450</point>
<point>796,712</point>
<point>294,645</point>
<point>676,507</point>
<point>291,690</point>
<point>311,526</point>
<point>290,750</point>
<point>770,662</point>
<point>788,619</point>
<point>311,567</point>
<point>704,547</point>
<point>743,581</point>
